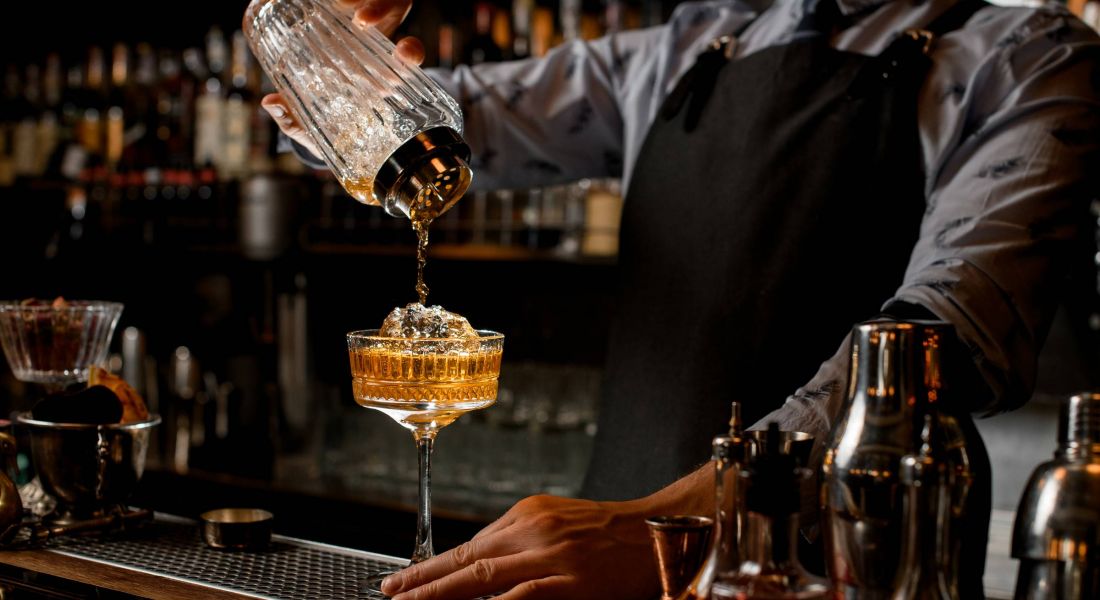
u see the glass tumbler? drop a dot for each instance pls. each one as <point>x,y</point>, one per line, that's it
<point>389,133</point>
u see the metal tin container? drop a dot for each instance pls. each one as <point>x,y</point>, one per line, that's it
<point>237,528</point>
<point>90,469</point>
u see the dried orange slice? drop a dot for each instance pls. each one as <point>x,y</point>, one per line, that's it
<point>133,405</point>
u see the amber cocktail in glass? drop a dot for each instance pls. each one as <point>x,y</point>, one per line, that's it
<point>424,384</point>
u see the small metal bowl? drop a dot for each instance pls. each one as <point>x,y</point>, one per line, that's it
<point>237,528</point>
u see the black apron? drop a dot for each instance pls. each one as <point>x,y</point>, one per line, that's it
<point>775,203</point>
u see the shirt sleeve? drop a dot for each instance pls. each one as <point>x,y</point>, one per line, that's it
<point>1010,201</point>
<point>543,121</point>
<point>1004,209</point>
<point>549,120</point>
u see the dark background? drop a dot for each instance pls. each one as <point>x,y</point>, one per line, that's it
<point>34,28</point>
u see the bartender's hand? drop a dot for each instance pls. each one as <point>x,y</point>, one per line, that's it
<point>386,15</point>
<point>544,547</point>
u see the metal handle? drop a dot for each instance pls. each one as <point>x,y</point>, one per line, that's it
<point>103,457</point>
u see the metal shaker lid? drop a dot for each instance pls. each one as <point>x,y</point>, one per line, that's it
<point>437,157</point>
<point>1057,516</point>
<point>1079,425</point>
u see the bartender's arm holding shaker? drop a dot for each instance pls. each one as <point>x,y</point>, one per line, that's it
<point>1009,141</point>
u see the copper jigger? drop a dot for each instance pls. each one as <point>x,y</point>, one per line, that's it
<point>680,543</point>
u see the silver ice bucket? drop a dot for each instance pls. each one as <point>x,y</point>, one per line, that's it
<point>89,469</point>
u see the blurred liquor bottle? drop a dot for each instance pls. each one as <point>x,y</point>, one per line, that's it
<point>522,17</point>
<point>543,34</point>
<point>49,130</point>
<point>210,105</point>
<point>119,109</point>
<point>12,112</point>
<point>239,109</point>
<point>448,40</point>
<point>483,47</point>
<point>93,108</point>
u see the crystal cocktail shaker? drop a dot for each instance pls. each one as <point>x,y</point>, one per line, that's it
<point>389,133</point>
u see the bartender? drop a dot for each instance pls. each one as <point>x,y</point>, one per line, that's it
<point>792,169</point>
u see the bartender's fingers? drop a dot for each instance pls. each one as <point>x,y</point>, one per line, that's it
<point>503,522</point>
<point>276,106</point>
<point>386,15</point>
<point>549,588</point>
<point>483,576</point>
<point>453,560</point>
<point>410,50</point>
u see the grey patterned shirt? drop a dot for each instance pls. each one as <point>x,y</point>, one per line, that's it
<point>1009,124</point>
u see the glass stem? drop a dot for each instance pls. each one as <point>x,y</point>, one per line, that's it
<point>425,440</point>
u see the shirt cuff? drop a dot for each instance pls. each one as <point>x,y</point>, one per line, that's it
<point>308,158</point>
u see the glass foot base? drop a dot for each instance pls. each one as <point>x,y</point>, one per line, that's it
<point>372,585</point>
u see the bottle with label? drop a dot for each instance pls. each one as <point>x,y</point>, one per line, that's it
<point>48,132</point>
<point>523,14</point>
<point>143,118</point>
<point>119,99</point>
<point>25,124</point>
<point>91,132</point>
<point>239,106</point>
<point>570,18</point>
<point>210,105</point>
<point>70,157</point>
<point>9,117</point>
<point>448,41</point>
<point>482,47</point>
<point>542,31</point>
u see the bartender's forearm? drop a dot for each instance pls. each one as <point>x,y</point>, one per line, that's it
<point>815,407</point>
<point>691,495</point>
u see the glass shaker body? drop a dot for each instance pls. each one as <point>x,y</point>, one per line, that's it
<point>388,132</point>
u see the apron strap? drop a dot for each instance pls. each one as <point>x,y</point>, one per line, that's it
<point>906,60</point>
<point>909,52</point>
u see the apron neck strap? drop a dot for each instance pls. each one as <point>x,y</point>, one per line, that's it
<point>955,17</point>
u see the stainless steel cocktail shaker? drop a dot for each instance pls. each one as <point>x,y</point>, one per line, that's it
<point>895,394</point>
<point>1057,532</point>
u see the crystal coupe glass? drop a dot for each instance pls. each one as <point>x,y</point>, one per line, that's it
<point>424,384</point>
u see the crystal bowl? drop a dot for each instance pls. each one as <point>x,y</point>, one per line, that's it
<point>55,344</point>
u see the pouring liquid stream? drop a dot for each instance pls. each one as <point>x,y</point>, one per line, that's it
<point>424,209</point>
